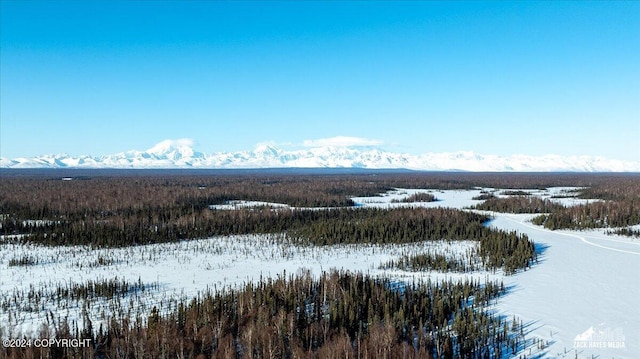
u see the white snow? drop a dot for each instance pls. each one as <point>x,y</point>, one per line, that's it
<point>180,154</point>
<point>585,279</point>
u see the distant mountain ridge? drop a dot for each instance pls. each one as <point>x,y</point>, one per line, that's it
<point>180,154</point>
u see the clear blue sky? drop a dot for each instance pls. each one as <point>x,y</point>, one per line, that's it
<point>491,77</point>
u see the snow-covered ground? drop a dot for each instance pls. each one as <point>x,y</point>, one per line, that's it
<point>586,282</point>
<point>581,298</point>
<point>174,271</point>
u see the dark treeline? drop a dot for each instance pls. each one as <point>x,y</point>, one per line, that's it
<point>619,207</point>
<point>396,225</point>
<point>626,232</point>
<point>594,215</point>
<point>519,204</point>
<point>433,261</point>
<point>515,193</point>
<point>484,195</point>
<point>417,197</point>
<point>339,315</point>
<point>498,249</point>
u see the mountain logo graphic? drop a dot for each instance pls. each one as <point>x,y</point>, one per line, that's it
<point>600,337</point>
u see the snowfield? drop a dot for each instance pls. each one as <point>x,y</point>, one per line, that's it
<point>586,281</point>
<point>580,300</point>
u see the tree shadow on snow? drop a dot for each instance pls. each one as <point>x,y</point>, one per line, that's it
<point>540,250</point>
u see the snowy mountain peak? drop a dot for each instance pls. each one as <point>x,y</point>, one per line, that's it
<point>174,150</point>
<point>267,150</point>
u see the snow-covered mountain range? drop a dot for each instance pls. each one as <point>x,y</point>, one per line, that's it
<point>180,154</point>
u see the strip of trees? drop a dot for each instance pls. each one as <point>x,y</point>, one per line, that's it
<point>519,204</point>
<point>617,205</point>
<point>417,197</point>
<point>497,249</point>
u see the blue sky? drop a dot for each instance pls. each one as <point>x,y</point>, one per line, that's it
<point>490,77</point>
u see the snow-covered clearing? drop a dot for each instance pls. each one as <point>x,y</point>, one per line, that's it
<point>581,298</point>
<point>174,271</point>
